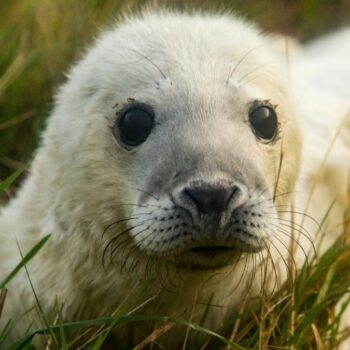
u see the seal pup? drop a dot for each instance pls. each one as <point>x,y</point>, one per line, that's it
<point>168,155</point>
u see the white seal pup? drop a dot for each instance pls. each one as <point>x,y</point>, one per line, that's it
<point>167,158</point>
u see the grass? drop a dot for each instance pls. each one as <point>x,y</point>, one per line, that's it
<point>39,40</point>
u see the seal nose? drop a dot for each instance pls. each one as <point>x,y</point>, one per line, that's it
<point>211,199</point>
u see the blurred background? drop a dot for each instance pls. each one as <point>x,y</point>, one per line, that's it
<point>40,39</point>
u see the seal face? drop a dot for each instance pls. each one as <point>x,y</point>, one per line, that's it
<point>200,200</point>
<point>201,150</point>
<point>203,217</point>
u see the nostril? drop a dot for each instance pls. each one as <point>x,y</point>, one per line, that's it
<point>211,199</point>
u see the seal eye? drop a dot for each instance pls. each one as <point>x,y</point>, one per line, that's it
<point>263,121</point>
<point>134,125</point>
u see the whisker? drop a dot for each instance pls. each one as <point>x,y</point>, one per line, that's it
<point>274,269</point>
<point>116,223</point>
<point>133,236</point>
<point>232,71</point>
<point>116,237</point>
<point>286,233</point>
<point>282,257</point>
<point>111,242</point>
<point>148,193</point>
<point>303,215</point>
<point>254,70</point>
<point>293,226</point>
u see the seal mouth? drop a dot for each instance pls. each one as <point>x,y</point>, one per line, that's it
<point>211,250</point>
<point>209,257</point>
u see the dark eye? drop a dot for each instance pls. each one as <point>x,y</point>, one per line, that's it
<point>134,125</point>
<point>263,121</point>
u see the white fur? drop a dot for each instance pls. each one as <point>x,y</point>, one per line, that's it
<point>60,196</point>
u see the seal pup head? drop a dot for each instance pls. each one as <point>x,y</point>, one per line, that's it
<point>168,138</point>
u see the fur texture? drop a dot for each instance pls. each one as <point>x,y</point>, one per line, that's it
<point>200,73</point>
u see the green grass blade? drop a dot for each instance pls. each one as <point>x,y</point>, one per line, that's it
<point>98,343</point>
<point>30,255</point>
<point>10,180</point>
<point>305,326</point>
<point>123,319</point>
<point>5,332</point>
<point>38,304</point>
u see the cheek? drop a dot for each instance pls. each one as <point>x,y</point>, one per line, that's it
<point>266,162</point>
